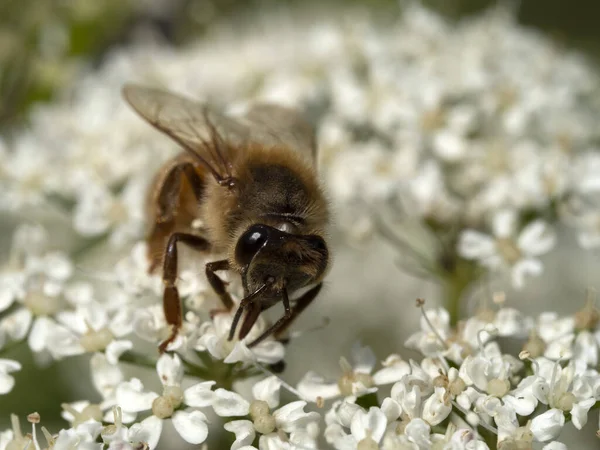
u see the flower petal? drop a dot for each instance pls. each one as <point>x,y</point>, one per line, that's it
<point>191,426</point>
<point>536,238</point>
<point>523,268</point>
<point>268,391</point>
<point>148,430</point>
<point>548,425</point>
<point>579,412</point>
<point>292,416</point>
<point>131,397</point>
<point>475,245</point>
<point>115,349</point>
<point>228,404</point>
<point>244,433</point>
<point>394,369</point>
<point>106,376</point>
<point>269,352</point>
<point>17,324</point>
<point>169,369</point>
<point>313,385</point>
<point>504,223</point>
<point>199,395</point>
<point>240,353</point>
<point>371,423</point>
<point>363,358</point>
<point>7,382</point>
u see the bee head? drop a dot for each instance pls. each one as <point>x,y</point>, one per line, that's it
<point>270,255</point>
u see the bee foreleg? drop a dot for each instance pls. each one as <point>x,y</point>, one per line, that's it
<point>253,310</point>
<point>299,305</point>
<point>218,285</point>
<point>244,303</point>
<point>171,301</point>
<point>280,323</point>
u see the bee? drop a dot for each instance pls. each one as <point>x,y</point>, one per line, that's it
<point>252,182</point>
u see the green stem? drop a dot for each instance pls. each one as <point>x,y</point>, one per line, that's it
<point>489,438</point>
<point>138,359</point>
<point>454,284</point>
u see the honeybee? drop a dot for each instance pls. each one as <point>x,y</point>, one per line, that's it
<point>253,183</point>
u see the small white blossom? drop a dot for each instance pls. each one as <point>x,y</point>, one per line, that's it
<point>356,379</point>
<point>507,249</point>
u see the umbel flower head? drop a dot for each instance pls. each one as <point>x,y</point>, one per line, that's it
<point>466,145</point>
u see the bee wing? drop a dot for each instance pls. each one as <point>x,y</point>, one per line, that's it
<point>202,132</point>
<point>277,125</point>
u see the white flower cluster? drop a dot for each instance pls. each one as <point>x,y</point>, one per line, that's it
<point>467,383</point>
<point>456,126</point>
<point>483,130</point>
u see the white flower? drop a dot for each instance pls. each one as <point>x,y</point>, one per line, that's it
<point>506,249</point>
<point>557,333</point>
<point>119,437</point>
<point>490,370</point>
<point>190,424</point>
<point>97,211</point>
<point>356,379</point>
<point>434,327</point>
<point>366,427</point>
<point>437,407</point>
<point>83,436</point>
<point>89,328</point>
<point>132,272</point>
<point>290,419</point>
<point>214,338</point>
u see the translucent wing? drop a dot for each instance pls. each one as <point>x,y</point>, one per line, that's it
<point>211,137</point>
<point>277,125</point>
<point>202,132</point>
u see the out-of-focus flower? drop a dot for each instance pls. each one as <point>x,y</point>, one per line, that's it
<point>7,366</point>
<point>505,249</point>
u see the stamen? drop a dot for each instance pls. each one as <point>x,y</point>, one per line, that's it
<point>34,418</point>
<point>421,306</point>
<point>491,330</point>
<point>49,437</point>
<point>16,426</point>
<point>554,373</point>
<point>345,366</point>
<point>118,416</point>
<point>483,423</point>
<point>525,355</point>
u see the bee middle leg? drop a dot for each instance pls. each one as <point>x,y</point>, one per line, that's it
<point>219,286</point>
<point>171,300</point>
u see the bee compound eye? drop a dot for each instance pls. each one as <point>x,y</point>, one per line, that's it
<point>253,239</point>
